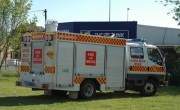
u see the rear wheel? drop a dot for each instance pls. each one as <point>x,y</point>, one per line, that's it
<point>149,88</point>
<point>87,90</point>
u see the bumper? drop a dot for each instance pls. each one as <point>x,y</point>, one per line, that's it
<point>166,82</point>
<point>34,85</point>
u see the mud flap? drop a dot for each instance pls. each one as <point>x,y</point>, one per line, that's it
<point>73,94</point>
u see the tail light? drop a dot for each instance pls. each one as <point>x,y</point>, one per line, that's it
<point>18,83</point>
<point>45,86</point>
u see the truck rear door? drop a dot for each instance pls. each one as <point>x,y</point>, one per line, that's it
<point>37,57</point>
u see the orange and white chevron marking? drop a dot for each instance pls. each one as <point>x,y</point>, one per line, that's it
<point>138,68</point>
<point>78,80</point>
<point>90,39</point>
<point>25,68</point>
<point>38,36</point>
<point>157,69</point>
<point>49,69</point>
<point>101,80</point>
<point>147,69</point>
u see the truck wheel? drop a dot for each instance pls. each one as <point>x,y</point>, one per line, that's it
<point>149,88</point>
<point>87,89</point>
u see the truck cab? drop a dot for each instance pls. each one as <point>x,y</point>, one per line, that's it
<point>145,67</point>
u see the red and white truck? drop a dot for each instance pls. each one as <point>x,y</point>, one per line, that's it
<point>60,62</point>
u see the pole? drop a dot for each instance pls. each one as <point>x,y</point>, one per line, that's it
<point>45,11</point>
<point>109,10</point>
<point>127,13</point>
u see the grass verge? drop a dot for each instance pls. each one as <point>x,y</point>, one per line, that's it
<point>9,74</point>
<point>19,98</point>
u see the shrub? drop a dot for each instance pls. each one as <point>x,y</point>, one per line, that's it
<point>9,74</point>
<point>175,73</point>
<point>175,77</point>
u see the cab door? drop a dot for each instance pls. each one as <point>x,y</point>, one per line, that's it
<point>155,61</point>
<point>137,60</point>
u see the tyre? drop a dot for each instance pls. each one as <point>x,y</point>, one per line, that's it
<point>149,88</point>
<point>87,89</point>
<point>58,93</point>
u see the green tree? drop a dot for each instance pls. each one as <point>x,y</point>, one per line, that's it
<point>175,5</point>
<point>23,28</point>
<point>13,13</point>
<point>175,62</point>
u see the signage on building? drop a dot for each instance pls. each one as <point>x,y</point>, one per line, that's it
<point>107,33</point>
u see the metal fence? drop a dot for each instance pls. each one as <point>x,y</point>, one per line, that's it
<point>9,68</point>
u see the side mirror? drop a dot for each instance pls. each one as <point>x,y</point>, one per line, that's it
<point>164,60</point>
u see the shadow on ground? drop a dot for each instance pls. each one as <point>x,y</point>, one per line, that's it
<point>44,99</point>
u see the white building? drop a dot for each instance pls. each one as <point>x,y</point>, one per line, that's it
<point>160,36</point>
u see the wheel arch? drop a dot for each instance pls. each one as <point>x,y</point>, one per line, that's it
<point>94,80</point>
<point>155,79</point>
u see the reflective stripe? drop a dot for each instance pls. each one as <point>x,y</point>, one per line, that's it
<point>49,69</point>
<point>25,68</point>
<point>147,69</point>
<point>101,80</point>
<point>38,36</point>
<point>78,80</point>
<point>91,39</point>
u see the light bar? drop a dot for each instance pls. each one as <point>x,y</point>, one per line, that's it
<point>136,40</point>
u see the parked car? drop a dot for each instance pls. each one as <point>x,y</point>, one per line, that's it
<point>12,62</point>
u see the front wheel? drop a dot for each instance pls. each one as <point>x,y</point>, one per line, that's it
<point>149,88</point>
<point>87,89</point>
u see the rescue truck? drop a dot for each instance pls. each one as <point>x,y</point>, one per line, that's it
<point>61,62</point>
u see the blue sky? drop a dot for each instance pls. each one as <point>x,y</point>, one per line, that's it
<point>145,12</point>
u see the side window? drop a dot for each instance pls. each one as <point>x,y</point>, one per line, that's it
<point>136,52</point>
<point>154,56</point>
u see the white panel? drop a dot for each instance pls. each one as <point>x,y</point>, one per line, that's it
<point>172,37</point>
<point>90,59</point>
<point>65,63</point>
<point>115,67</point>
<point>37,66</point>
<point>159,35</point>
<point>26,55</point>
